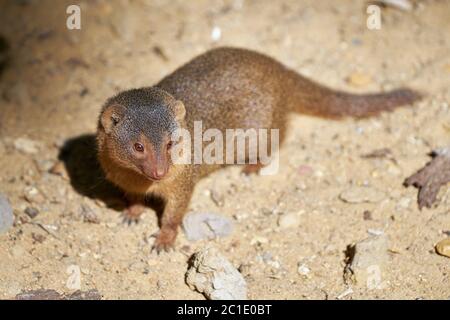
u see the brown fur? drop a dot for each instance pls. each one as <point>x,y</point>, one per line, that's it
<point>225,88</point>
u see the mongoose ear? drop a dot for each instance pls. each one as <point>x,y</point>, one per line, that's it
<point>179,110</point>
<point>111,116</point>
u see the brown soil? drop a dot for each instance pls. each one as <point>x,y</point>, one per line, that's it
<point>56,80</point>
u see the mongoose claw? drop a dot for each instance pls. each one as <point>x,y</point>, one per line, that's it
<point>130,220</point>
<point>132,214</point>
<point>164,241</point>
<point>160,248</point>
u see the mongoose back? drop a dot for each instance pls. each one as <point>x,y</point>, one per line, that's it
<point>225,88</point>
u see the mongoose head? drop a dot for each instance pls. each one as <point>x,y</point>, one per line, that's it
<point>135,129</point>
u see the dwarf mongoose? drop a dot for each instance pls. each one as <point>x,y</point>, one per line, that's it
<point>224,88</point>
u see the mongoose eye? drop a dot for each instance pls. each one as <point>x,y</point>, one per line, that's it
<point>138,147</point>
<point>169,145</point>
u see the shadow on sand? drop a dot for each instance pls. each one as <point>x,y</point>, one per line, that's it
<point>79,155</point>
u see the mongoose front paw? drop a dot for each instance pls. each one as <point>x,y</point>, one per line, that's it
<point>165,240</point>
<point>132,214</point>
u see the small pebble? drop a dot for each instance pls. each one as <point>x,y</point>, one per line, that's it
<point>258,240</point>
<point>303,269</point>
<point>38,237</point>
<point>347,292</point>
<point>289,220</point>
<point>33,195</point>
<point>375,232</point>
<point>216,33</point>
<point>27,146</point>
<point>32,212</point>
<point>443,247</point>
<point>89,215</point>
<point>217,198</point>
<point>403,203</point>
<point>245,269</point>
<point>367,215</point>
<point>206,225</point>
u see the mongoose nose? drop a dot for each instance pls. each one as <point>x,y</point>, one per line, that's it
<point>159,173</point>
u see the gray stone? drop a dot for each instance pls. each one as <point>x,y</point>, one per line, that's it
<point>368,260</point>
<point>206,225</point>
<point>213,275</point>
<point>26,145</point>
<point>289,220</point>
<point>6,214</point>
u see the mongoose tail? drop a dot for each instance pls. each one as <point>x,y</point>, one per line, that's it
<point>313,99</point>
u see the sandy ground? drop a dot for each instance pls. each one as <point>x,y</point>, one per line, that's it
<point>57,79</point>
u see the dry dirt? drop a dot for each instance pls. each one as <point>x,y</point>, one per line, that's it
<point>56,80</point>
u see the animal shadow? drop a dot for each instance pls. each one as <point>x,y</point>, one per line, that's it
<point>4,54</point>
<point>79,156</point>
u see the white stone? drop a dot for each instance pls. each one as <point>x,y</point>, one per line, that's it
<point>214,276</point>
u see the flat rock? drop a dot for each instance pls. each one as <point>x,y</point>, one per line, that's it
<point>49,294</point>
<point>26,145</point>
<point>33,195</point>
<point>362,194</point>
<point>206,225</point>
<point>6,214</point>
<point>443,247</point>
<point>289,220</point>
<point>367,262</point>
<point>213,275</point>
